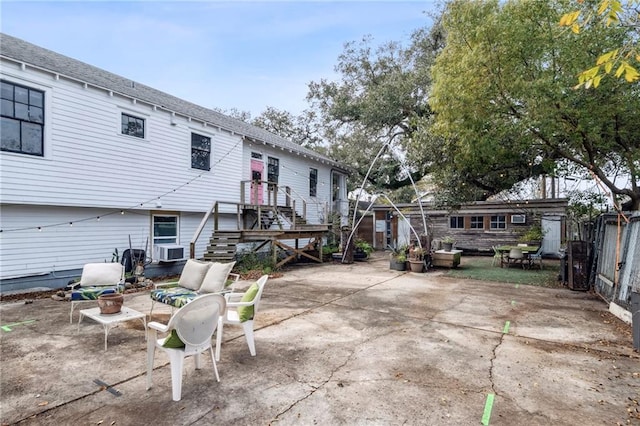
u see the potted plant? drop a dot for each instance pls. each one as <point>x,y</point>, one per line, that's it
<point>533,236</point>
<point>362,250</point>
<point>447,243</point>
<point>398,258</point>
<point>416,259</point>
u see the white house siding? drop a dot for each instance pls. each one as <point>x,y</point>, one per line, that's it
<point>89,163</point>
<point>65,246</point>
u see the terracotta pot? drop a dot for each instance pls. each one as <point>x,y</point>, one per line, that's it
<point>416,265</point>
<point>110,303</point>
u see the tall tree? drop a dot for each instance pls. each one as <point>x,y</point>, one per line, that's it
<point>374,107</point>
<point>505,107</point>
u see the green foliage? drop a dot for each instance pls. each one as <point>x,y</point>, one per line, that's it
<point>534,233</point>
<point>251,261</point>
<point>329,249</point>
<point>363,246</point>
<point>448,239</point>
<point>505,107</point>
<point>399,253</point>
<point>626,57</point>
<point>115,256</point>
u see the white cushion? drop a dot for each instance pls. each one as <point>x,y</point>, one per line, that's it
<point>101,274</point>
<point>193,273</point>
<point>216,277</point>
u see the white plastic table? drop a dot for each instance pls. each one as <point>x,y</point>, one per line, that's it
<point>109,321</point>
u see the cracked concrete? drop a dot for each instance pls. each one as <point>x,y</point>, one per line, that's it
<point>340,344</point>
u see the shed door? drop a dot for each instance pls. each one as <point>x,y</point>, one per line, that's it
<point>552,226</point>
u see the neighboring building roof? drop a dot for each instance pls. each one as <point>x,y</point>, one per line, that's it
<point>549,205</point>
<point>38,57</point>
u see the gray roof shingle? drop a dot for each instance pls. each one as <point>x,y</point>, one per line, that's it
<point>30,54</point>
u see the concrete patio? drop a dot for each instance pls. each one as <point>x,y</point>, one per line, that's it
<point>340,344</point>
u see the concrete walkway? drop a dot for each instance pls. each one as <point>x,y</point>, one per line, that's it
<point>340,345</point>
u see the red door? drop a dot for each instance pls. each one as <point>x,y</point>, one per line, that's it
<point>257,168</point>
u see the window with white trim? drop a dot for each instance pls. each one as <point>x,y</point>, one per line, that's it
<point>132,125</point>
<point>498,222</point>
<point>200,152</point>
<point>22,126</point>
<point>165,229</point>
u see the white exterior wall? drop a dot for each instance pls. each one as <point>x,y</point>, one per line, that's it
<point>294,173</point>
<point>89,163</point>
<point>58,248</point>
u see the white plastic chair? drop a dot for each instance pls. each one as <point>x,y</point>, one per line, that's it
<point>516,255</point>
<point>194,324</point>
<point>236,303</point>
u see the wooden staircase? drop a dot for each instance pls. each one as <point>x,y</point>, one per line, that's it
<point>288,213</point>
<point>222,246</point>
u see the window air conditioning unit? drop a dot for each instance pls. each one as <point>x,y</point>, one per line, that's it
<point>518,218</point>
<point>168,252</point>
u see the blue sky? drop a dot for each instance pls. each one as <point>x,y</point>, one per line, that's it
<point>240,54</point>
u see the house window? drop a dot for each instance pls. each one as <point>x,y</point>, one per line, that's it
<point>132,126</point>
<point>477,222</point>
<point>498,222</point>
<point>313,182</point>
<point>200,152</point>
<point>165,230</point>
<point>273,171</point>
<point>22,128</point>
<point>456,222</point>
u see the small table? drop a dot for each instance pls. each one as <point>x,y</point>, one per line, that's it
<point>109,321</point>
<point>526,251</point>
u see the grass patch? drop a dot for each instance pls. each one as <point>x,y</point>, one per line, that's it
<point>479,268</point>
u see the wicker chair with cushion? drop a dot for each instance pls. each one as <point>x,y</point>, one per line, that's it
<point>197,278</point>
<point>97,279</point>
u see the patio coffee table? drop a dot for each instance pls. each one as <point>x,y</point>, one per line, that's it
<point>109,321</point>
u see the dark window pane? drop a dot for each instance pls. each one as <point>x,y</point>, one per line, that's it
<point>7,108</point>
<point>132,126</point>
<point>32,138</point>
<point>313,182</point>
<point>22,112</point>
<point>200,151</point>
<point>7,91</point>
<point>10,134</point>
<point>200,142</point>
<point>21,95</point>
<point>199,160</point>
<point>36,98</point>
<point>36,115</point>
<point>165,226</point>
